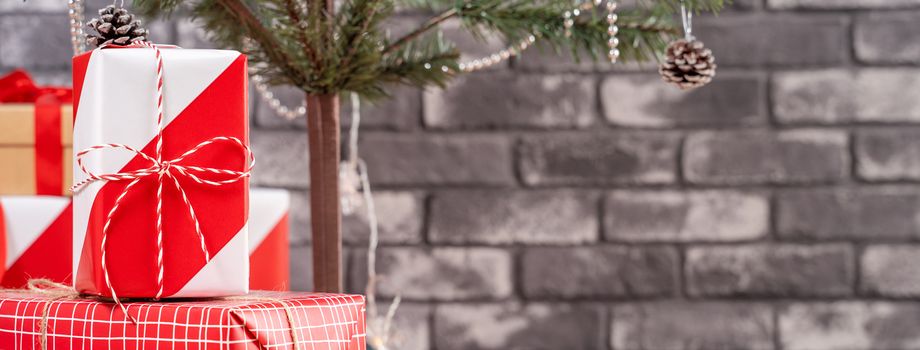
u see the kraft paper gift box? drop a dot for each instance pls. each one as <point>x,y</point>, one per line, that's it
<point>268,238</point>
<point>36,231</point>
<point>115,99</point>
<point>35,137</point>
<point>264,320</point>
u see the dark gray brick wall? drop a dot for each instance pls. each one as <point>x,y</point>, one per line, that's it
<point>554,204</point>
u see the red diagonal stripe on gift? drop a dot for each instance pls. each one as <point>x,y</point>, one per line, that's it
<point>220,110</point>
<point>80,65</point>
<point>48,257</point>
<point>268,263</point>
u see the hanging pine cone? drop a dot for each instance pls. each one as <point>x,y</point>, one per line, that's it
<point>115,26</point>
<point>688,64</point>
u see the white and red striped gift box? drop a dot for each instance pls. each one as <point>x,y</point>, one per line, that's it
<point>268,239</point>
<point>37,232</point>
<point>320,322</point>
<point>115,102</point>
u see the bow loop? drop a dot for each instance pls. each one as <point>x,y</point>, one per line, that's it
<point>18,87</point>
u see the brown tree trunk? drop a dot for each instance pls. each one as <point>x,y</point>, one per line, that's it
<point>325,211</point>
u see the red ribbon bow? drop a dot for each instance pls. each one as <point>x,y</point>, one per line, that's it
<point>160,169</point>
<point>18,87</point>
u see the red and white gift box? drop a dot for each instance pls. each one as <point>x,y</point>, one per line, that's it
<point>115,102</point>
<point>268,239</point>
<point>320,322</point>
<point>37,232</point>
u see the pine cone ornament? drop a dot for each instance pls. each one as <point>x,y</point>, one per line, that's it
<point>115,26</point>
<point>688,64</point>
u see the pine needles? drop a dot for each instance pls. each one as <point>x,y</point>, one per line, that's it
<point>296,42</point>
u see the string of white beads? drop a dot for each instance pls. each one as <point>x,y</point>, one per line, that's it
<point>274,103</point>
<point>613,52</point>
<point>75,12</point>
<point>498,57</point>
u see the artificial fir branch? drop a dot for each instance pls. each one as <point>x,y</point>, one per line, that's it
<point>429,25</point>
<point>429,60</point>
<point>322,53</point>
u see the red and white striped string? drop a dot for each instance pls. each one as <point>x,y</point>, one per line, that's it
<point>161,169</point>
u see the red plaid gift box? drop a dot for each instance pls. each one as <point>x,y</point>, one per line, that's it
<point>320,322</point>
<point>37,232</point>
<point>119,117</point>
<point>268,239</point>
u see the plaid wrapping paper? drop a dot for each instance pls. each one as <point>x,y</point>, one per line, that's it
<point>321,321</point>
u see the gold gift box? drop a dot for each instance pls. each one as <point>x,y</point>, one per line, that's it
<point>17,148</point>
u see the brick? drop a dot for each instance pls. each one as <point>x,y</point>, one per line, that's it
<point>437,159</point>
<point>290,97</point>
<point>490,100</point>
<point>770,270</point>
<point>849,325</point>
<point>889,270</point>
<point>644,101</point>
<point>885,155</point>
<point>888,38</point>
<point>599,159</point>
<point>301,258</point>
<point>682,216</point>
<point>839,96</point>
<point>744,5</point>
<point>473,46</point>
<point>301,268</point>
<point>35,41</point>
<point>542,58</point>
<point>840,4</point>
<point>869,214</point>
<point>676,326</point>
<point>399,219</point>
<point>738,40</point>
<point>410,329</point>
<point>356,276</point>
<point>57,77</point>
<point>516,326</point>
<point>401,110</point>
<point>419,273</point>
<point>757,157</point>
<point>299,217</point>
<point>34,6</point>
<point>191,34</point>
<point>505,217</point>
<point>599,272</point>
<point>283,158</point>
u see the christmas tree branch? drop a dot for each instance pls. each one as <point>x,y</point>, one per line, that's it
<point>425,61</point>
<point>293,11</point>
<point>360,15</point>
<point>429,25</point>
<point>252,27</point>
<point>307,44</point>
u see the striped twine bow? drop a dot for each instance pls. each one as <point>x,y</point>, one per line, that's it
<point>161,169</point>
